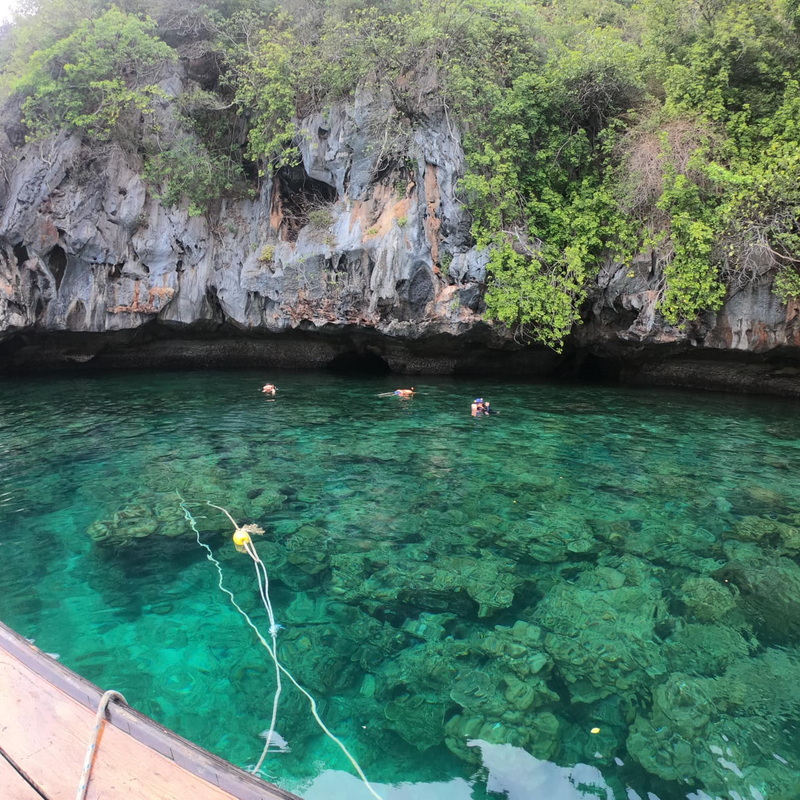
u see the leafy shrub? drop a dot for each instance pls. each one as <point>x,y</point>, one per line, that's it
<point>187,169</point>
<point>445,260</point>
<point>787,284</point>
<point>95,79</point>
<point>319,219</point>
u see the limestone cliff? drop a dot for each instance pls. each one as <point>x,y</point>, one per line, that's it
<point>350,255</point>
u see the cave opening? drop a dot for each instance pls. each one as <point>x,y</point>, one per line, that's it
<point>298,195</point>
<point>21,254</point>
<point>594,369</point>
<point>57,262</point>
<point>353,362</point>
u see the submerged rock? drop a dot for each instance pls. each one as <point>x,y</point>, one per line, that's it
<point>767,685</point>
<point>308,549</point>
<point>418,719</point>
<point>603,641</point>
<point>538,736</point>
<point>706,599</point>
<point>139,520</point>
<point>429,627</point>
<point>695,736</point>
<point>706,650</point>
<point>446,583</point>
<point>767,590</point>
<point>781,536</point>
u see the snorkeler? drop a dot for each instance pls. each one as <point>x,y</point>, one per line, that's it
<point>270,389</point>
<point>481,408</point>
<point>399,393</point>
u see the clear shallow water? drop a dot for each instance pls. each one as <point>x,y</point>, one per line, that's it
<point>468,599</point>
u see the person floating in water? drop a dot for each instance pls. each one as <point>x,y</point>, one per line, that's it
<point>481,408</point>
<point>399,393</point>
<point>269,389</point>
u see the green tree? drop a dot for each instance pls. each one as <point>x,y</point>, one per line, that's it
<point>94,78</point>
<point>539,185</point>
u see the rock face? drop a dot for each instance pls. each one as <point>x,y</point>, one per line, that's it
<point>750,345</point>
<point>355,255</point>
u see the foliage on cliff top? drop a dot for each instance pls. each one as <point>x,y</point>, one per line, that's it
<point>92,79</point>
<point>592,128</point>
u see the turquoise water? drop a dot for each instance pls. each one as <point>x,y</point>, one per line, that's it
<point>595,593</point>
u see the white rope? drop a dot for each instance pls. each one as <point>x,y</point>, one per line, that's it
<point>91,751</point>
<point>273,627</point>
<point>263,586</point>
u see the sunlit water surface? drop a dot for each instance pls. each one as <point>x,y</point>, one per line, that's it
<point>595,593</point>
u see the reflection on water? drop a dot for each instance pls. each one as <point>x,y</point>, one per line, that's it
<point>507,770</point>
<point>333,785</point>
<point>595,593</point>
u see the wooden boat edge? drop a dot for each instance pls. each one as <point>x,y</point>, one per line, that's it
<point>186,755</point>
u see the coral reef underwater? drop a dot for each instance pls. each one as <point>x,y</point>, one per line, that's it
<point>594,577</point>
<point>578,648</point>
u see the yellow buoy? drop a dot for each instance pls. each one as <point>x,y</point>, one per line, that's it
<point>240,538</point>
<point>595,730</point>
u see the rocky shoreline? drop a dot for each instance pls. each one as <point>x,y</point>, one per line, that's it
<point>367,352</point>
